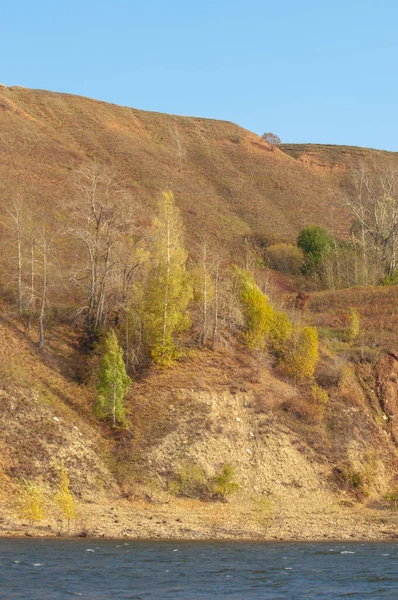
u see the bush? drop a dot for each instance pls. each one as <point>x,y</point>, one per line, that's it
<point>224,483</point>
<point>300,356</point>
<point>286,258</point>
<point>191,481</point>
<point>64,497</point>
<point>353,480</point>
<point>319,395</point>
<point>280,331</point>
<point>392,497</point>
<point>390,279</point>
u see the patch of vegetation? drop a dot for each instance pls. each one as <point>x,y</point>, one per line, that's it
<point>357,481</point>
<point>192,482</point>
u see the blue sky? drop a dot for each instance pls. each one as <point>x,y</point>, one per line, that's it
<point>320,71</point>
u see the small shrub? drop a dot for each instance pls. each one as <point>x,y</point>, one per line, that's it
<point>286,258</point>
<point>262,509</point>
<point>392,497</point>
<point>192,481</point>
<point>224,483</point>
<point>390,279</point>
<point>358,481</point>
<point>319,395</point>
<point>153,486</point>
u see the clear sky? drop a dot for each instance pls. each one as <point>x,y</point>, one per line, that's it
<point>321,71</point>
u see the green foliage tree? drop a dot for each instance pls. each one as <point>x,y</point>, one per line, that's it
<point>169,289</point>
<point>316,243</point>
<point>113,382</point>
<point>300,355</point>
<point>31,501</point>
<point>64,497</point>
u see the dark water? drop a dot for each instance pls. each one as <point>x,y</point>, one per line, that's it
<point>51,569</point>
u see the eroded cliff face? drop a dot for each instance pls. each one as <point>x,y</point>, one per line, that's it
<point>314,163</point>
<point>387,390</point>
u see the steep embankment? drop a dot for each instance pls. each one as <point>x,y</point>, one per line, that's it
<point>288,457</point>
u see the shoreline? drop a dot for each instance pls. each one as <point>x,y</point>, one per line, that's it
<point>204,540</point>
<point>188,520</point>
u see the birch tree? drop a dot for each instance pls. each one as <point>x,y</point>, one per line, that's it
<point>374,206</point>
<point>169,287</point>
<point>113,383</point>
<point>100,216</point>
<point>15,224</point>
<point>206,279</point>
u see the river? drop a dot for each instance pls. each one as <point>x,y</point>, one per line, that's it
<point>32,569</point>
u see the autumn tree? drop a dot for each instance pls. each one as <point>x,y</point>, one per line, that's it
<point>113,382</point>
<point>31,501</point>
<point>169,288</point>
<point>300,355</point>
<point>64,498</point>
<point>257,308</point>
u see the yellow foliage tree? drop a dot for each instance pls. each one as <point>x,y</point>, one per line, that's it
<point>280,331</point>
<point>300,355</point>
<point>170,289</point>
<point>258,311</point>
<point>354,326</point>
<point>32,502</point>
<point>64,497</point>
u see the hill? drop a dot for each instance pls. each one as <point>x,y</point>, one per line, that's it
<point>305,469</point>
<point>224,178</point>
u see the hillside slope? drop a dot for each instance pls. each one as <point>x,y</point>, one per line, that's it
<point>304,470</point>
<point>224,178</point>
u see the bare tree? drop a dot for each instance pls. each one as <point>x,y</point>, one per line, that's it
<point>374,206</point>
<point>16,224</point>
<point>43,250</point>
<point>100,216</point>
<point>206,289</point>
<point>272,139</point>
<point>178,147</point>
